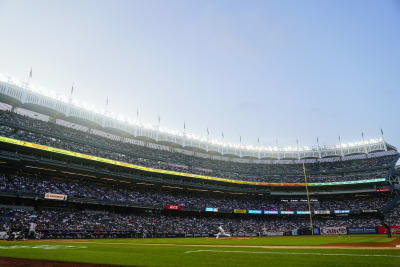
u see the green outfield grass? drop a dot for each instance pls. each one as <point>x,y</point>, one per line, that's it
<point>260,241</point>
<point>204,252</point>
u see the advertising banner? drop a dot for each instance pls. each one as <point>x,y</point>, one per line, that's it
<point>254,212</point>
<point>381,230</point>
<point>394,229</point>
<point>341,211</point>
<point>362,230</point>
<point>333,230</point>
<point>250,234</point>
<point>173,207</point>
<point>212,209</point>
<point>322,212</point>
<point>270,212</point>
<point>302,212</point>
<point>239,211</point>
<point>350,182</point>
<point>383,189</point>
<point>287,212</point>
<point>369,211</point>
<point>272,234</point>
<point>316,230</point>
<point>55,196</point>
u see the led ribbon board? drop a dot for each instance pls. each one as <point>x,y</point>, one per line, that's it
<point>287,212</point>
<point>341,211</point>
<point>303,212</point>
<point>239,211</point>
<point>270,212</point>
<point>254,211</point>
<point>212,209</point>
<point>137,167</point>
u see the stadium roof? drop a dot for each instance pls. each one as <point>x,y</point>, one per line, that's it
<point>23,94</point>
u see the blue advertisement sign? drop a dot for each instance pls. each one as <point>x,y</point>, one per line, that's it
<point>316,230</point>
<point>270,212</point>
<point>362,230</point>
<point>287,212</point>
<point>341,211</point>
<point>254,212</point>
<point>303,212</point>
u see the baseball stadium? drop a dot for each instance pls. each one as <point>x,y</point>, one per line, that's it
<point>79,187</point>
<point>152,133</point>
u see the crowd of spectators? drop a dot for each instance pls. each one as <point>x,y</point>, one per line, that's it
<point>393,218</point>
<point>157,198</point>
<point>47,133</point>
<point>78,220</point>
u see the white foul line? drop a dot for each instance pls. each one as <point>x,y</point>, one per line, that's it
<point>291,253</point>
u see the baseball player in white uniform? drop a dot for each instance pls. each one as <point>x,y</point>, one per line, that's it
<point>221,231</point>
<point>32,230</point>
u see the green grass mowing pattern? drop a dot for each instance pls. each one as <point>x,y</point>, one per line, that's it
<point>134,254</point>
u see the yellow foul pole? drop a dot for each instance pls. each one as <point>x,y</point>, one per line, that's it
<point>308,199</point>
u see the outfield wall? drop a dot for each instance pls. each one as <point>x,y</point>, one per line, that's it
<point>89,234</point>
<point>394,229</point>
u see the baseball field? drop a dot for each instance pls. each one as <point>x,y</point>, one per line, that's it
<point>360,250</point>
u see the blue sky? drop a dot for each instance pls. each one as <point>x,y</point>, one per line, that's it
<point>268,69</point>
